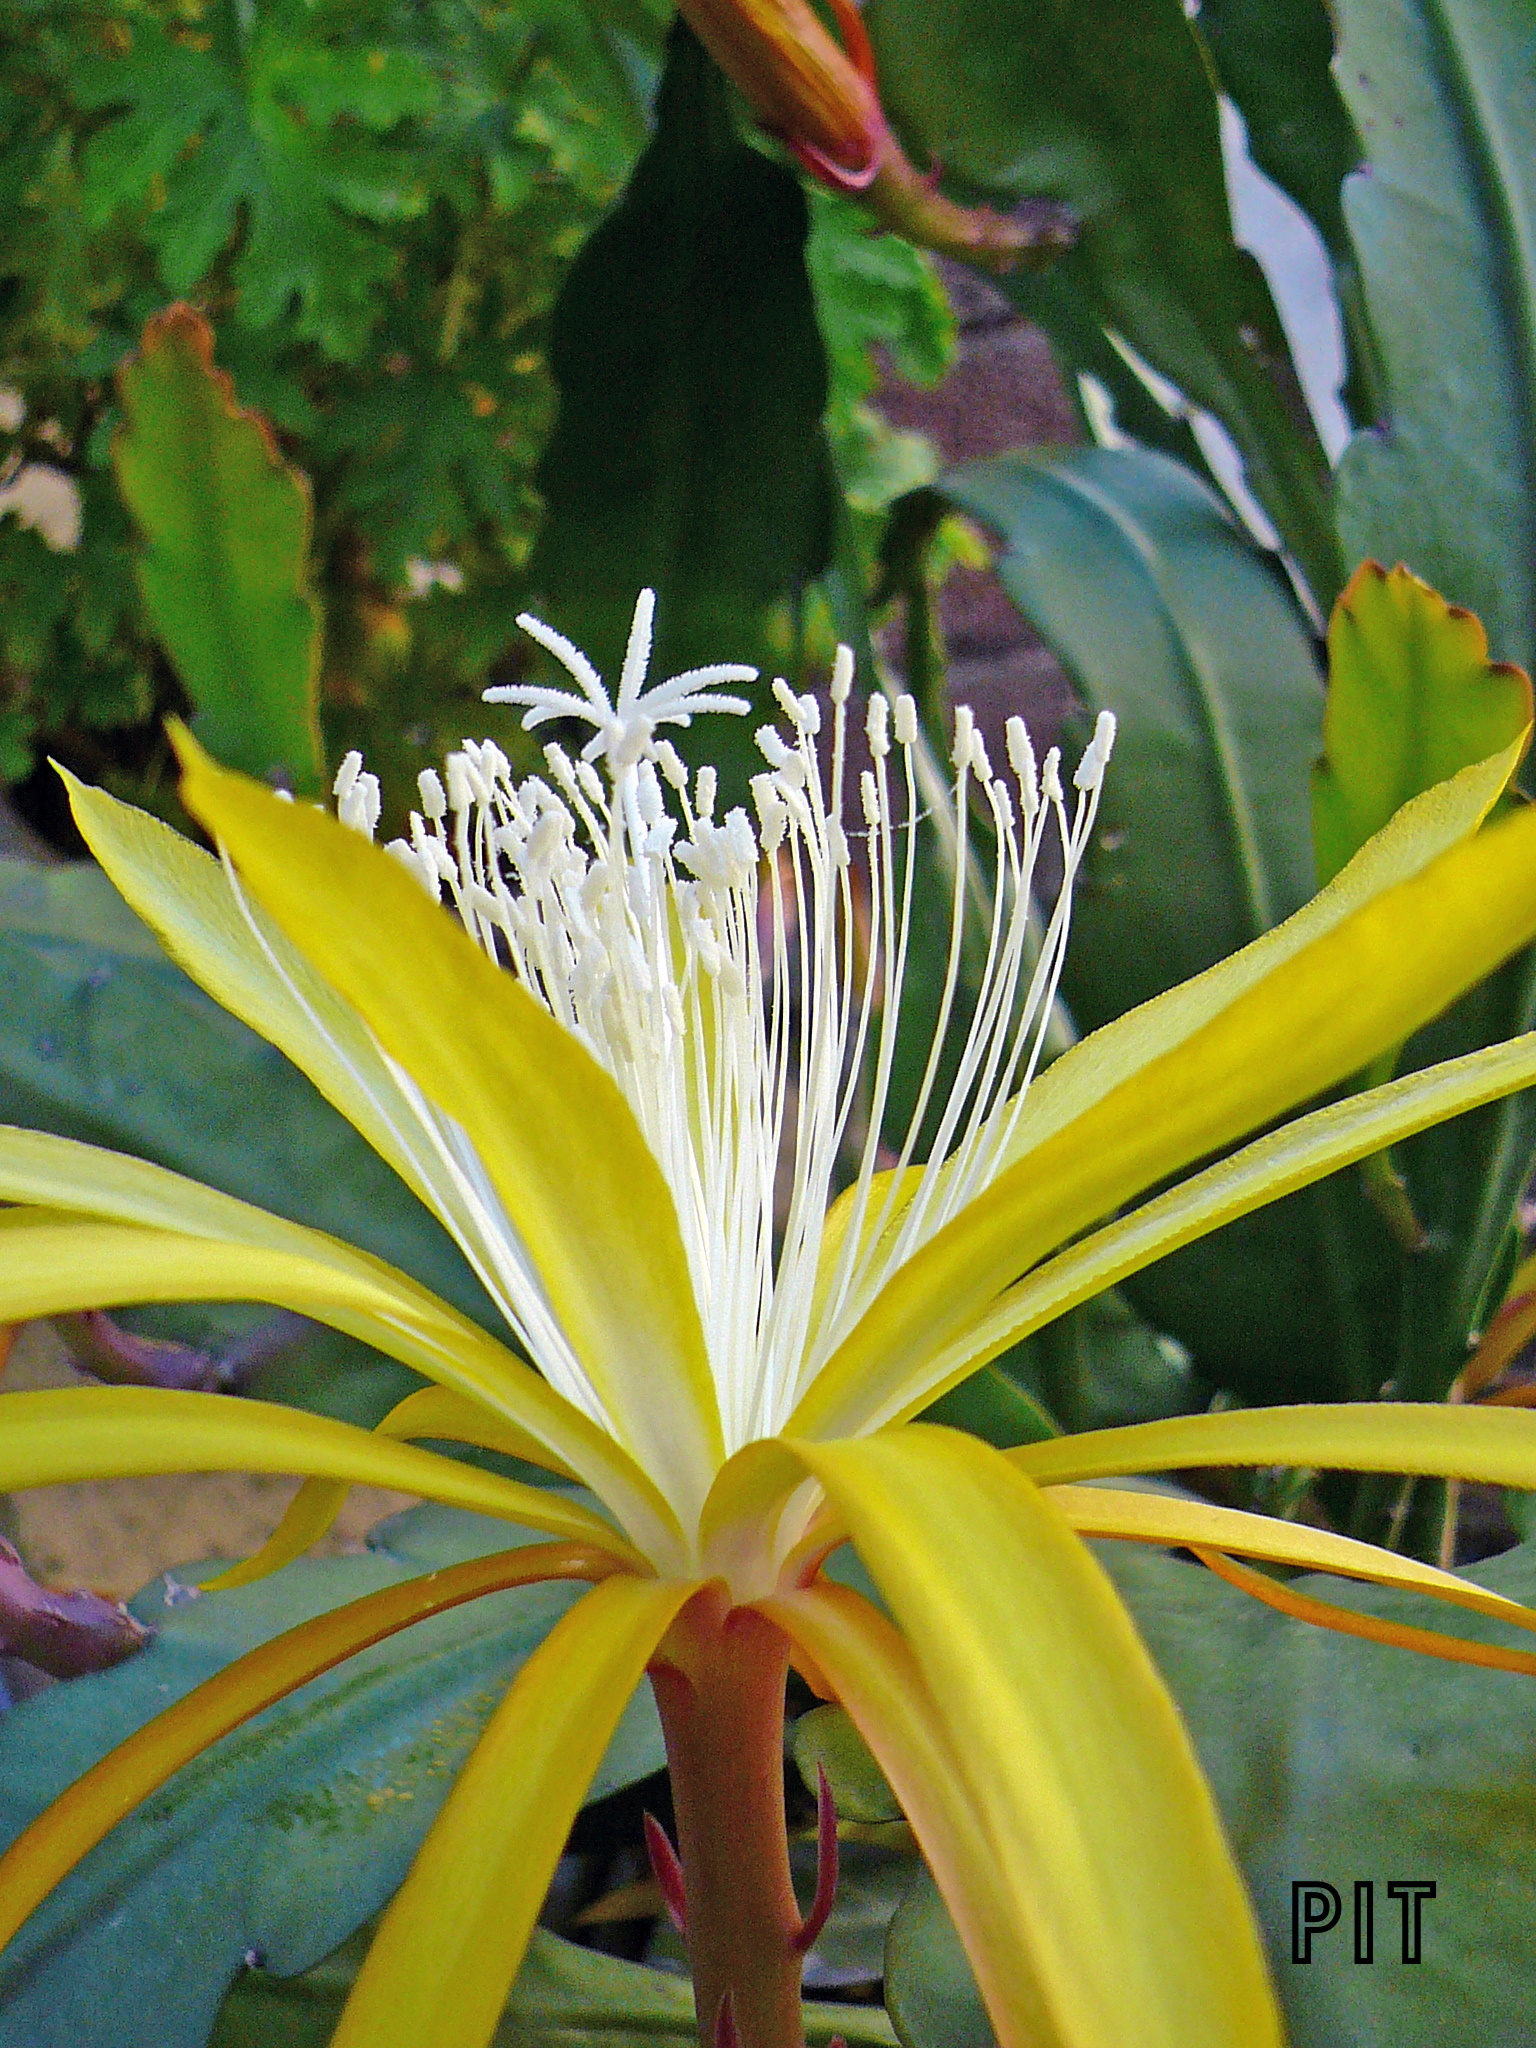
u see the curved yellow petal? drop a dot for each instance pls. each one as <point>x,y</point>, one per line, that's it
<point>1166,1520</point>
<point>433,1412</point>
<point>1129,1911</point>
<point>51,1264</point>
<point>1372,1628</point>
<point>549,1126</point>
<point>1301,1152</point>
<point>1496,1445</point>
<point>235,951</point>
<point>57,1840</point>
<point>76,1433</point>
<point>855,1653</point>
<point>1289,1019</point>
<point>445,1955</point>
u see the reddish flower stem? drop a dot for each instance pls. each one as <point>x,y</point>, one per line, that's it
<point>719,1683</point>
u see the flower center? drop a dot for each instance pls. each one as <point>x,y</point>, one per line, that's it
<point>743,979</point>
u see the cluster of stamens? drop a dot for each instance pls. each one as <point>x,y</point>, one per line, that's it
<point>742,978</point>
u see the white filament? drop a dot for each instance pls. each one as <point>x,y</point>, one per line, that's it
<point>718,969</point>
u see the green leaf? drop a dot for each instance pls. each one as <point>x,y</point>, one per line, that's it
<point>826,1737</point>
<point>293,1830</point>
<point>1275,63</point>
<point>1332,1760</point>
<point>929,1990</point>
<point>564,1997</point>
<point>1412,698</point>
<point>1341,1760</point>
<point>271,135</point>
<point>688,453</point>
<point>1112,109</point>
<point>225,569</point>
<point>103,1039</point>
<point>1444,228</point>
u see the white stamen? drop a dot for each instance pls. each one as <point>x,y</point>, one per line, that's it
<point>724,979</point>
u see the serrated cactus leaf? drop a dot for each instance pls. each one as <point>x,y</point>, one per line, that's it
<point>225,523</point>
<point>1412,698</point>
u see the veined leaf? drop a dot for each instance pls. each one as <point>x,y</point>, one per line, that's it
<point>83,1816</point>
<point>226,526</point>
<point>1443,224</point>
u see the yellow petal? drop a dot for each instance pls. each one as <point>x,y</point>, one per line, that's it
<point>1496,1445</point>
<point>1299,1153</point>
<point>550,1128</point>
<point>1164,1519</point>
<point>1372,1628</point>
<point>445,1956</point>
<point>233,949</point>
<point>200,1245</point>
<point>1278,1022</point>
<point>856,1654</point>
<point>77,1433</point>
<point>433,1412</point>
<point>56,1841</point>
<point>1128,1909</point>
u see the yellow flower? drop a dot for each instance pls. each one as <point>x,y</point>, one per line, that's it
<point>593,1072</point>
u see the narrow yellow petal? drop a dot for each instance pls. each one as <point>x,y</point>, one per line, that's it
<point>1298,1154</point>
<point>232,948</point>
<point>219,1249</point>
<point>1296,1020</point>
<point>1371,1628</point>
<point>1164,1519</point>
<point>310,1515</point>
<point>77,1433</point>
<point>1496,1445</point>
<point>56,1841</point>
<point>1132,1917</point>
<point>871,1668</point>
<point>445,1956</point>
<point>433,1412</point>
<point>551,1129</point>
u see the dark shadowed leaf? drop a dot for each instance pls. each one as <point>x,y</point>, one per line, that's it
<point>688,453</point>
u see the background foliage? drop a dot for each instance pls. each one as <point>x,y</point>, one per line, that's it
<point>497,321</point>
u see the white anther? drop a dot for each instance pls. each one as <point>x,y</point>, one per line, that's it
<point>705,789</point>
<point>878,725</point>
<point>670,762</point>
<point>963,751</point>
<point>1050,777</point>
<point>869,797</point>
<point>842,675</point>
<point>810,716</point>
<point>906,720</point>
<point>788,702</point>
<point>771,745</point>
<point>772,814</point>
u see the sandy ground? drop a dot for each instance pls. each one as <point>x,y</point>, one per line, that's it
<point>116,1534</point>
